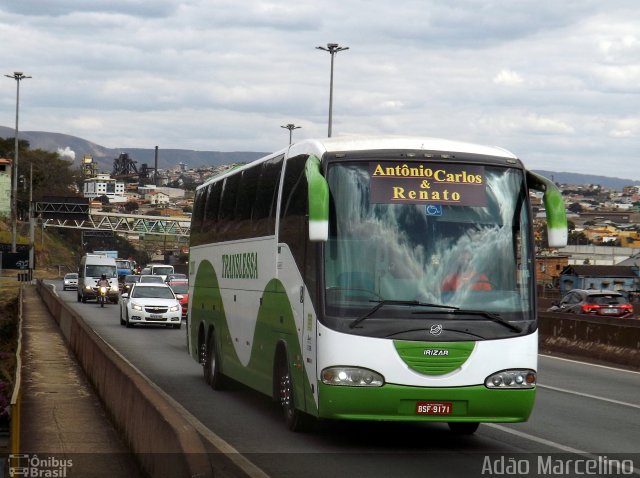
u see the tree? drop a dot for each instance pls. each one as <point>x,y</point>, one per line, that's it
<point>131,206</point>
<point>52,175</point>
<point>575,208</point>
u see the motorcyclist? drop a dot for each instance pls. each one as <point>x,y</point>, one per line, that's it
<point>103,281</point>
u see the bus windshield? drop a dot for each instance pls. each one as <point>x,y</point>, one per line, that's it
<point>464,242</point>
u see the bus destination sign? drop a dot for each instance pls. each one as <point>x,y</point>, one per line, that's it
<point>427,183</point>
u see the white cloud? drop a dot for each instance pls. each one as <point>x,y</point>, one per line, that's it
<point>508,78</point>
<point>545,79</point>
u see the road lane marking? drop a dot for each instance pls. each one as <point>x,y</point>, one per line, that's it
<point>590,364</point>
<point>588,395</point>
<point>544,441</point>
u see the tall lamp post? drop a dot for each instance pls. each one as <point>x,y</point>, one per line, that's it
<point>18,75</point>
<point>332,48</point>
<point>290,127</point>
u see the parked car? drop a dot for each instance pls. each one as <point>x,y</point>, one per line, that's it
<point>148,278</point>
<point>70,281</point>
<point>601,303</point>
<point>150,304</point>
<point>181,287</point>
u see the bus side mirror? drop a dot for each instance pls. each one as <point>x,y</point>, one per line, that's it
<point>318,203</point>
<point>554,207</point>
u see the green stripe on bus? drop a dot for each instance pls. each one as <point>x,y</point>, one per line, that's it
<point>398,402</point>
<point>275,322</point>
<point>433,358</point>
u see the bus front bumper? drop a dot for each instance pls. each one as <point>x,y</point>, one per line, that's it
<point>402,403</point>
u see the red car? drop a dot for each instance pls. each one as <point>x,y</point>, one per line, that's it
<point>181,287</point>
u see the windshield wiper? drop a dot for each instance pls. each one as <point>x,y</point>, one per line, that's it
<point>382,303</point>
<point>489,315</point>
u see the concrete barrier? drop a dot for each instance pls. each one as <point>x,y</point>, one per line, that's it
<point>166,444</point>
<point>608,340</point>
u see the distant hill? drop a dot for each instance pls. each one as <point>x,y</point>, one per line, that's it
<point>78,147</point>
<point>577,179</point>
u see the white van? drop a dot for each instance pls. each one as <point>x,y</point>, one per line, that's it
<point>160,270</point>
<point>92,266</point>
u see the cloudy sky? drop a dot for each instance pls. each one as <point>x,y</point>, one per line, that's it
<point>556,82</point>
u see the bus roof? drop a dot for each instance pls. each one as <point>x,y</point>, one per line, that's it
<point>368,143</point>
<point>364,143</point>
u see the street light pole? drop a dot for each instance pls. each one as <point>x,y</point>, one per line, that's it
<point>18,75</point>
<point>332,48</point>
<point>32,232</point>
<point>290,127</point>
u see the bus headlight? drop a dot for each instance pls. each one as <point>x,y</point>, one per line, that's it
<point>352,377</point>
<point>510,379</point>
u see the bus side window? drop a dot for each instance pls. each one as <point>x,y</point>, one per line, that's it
<point>246,197</point>
<point>211,213</point>
<point>198,216</point>
<point>264,208</point>
<point>226,215</point>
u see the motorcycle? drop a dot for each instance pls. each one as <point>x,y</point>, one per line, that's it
<point>102,295</point>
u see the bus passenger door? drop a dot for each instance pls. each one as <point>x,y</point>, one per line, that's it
<point>297,270</point>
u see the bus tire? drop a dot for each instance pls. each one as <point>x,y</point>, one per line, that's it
<point>212,374</point>
<point>463,428</point>
<point>296,420</point>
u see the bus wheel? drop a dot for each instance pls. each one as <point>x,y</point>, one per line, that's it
<point>295,419</point>
<point>211,369</point>
<point>463,428</point>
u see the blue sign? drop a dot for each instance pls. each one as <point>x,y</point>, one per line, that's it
<point>433,209</point>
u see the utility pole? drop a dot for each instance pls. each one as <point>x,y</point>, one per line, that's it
<point>18,75</point>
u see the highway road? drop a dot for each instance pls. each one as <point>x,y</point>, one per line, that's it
<point>583,412</point>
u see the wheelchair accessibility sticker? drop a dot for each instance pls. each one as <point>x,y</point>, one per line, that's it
<point>433,209</point>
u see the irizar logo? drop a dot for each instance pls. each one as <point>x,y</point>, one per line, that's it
<point>436,352</point>
<point>240,266</point>
<point>435,329</point>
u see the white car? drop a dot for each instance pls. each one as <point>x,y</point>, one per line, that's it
<point>150,304</point>
<point>149,278</point>
<point>70,281</point>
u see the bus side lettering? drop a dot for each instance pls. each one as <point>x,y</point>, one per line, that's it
<point>240,266</point>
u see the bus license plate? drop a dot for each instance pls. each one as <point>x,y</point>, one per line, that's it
<point>434,408</point>
<point>156,316</point>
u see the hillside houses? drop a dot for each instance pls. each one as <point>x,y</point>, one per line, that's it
<point>604,241</point>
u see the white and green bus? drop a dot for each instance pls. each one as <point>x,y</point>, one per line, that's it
<point>372,279</point>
